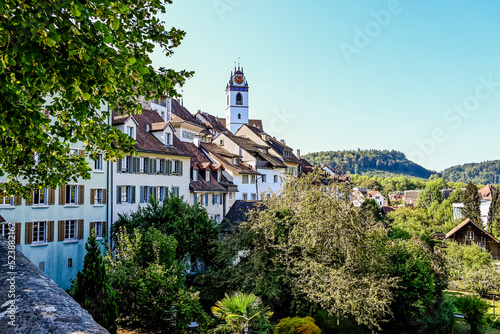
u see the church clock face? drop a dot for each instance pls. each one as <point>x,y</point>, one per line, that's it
<point>238,79</point>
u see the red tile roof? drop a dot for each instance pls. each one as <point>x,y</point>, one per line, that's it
<point>226,158</point>
<point>487,192</point>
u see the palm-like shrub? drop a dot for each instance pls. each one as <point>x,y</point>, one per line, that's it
<point>241,311</point>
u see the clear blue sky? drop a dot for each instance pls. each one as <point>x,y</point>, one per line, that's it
<point>420,77</point>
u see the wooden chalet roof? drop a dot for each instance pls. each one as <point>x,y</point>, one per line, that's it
<point>464,223</point>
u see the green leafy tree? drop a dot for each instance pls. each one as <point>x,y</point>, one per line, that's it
<point>67,59</point>
<point>297,325</point>
<point>473,309</point>
<point>482,281</point>
<point>242,312</point>
<point>456,196</point>
<point>91,289</point>
<point>150,284</point>
<point>190,225</point>
<point>494,213</point>
<point>472,203</point>
<point>431,193</point>
<point>423,277</point>
<point>370,206</point>
<point>333,255</point>
<point>464,258</point>
<point>408,222</point>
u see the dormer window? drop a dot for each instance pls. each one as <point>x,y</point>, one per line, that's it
<point>286,153</point>
<point>219,175</point>
<point>167,139</point>
<point>195,175</point>
<point>131,131</point>
<point>239,100</point>
<point>221,142</point>
<point>235,161</point>
<point>207,175</point>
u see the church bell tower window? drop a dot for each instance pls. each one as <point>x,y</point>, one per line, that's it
<point>239,99</point>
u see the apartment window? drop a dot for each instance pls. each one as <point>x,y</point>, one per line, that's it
<point>126,164</point>
<point>39,231</point>
<point>217,218</point>
<point>163,193</point>
<point>245,196</point>
<point>177,166</point>
<point>195,196</point>
<point>40,196</point>
<point>470,235</point>
<point>70,229</point>
<point>5,199</point>
<point>143,165</point>
<point>263,178</point>
<point>175,191</point>
<point>98,163</point>
<point>245,179</point>
<point>195,175</point>
<point>254,197</point>
<point>167,139</point>
<point>161,166</point>
<point>253,179</point>
<point>206,199</point>
<point>71,194</point>
<point>207,175</point>
<point>187,134</point>
<point>221,199</point>
<point>131,131</point>
<point>230,195</point>
<point>286,153</point>
<point>98,196</point>
<point>98,229</point>
<point>70,262</point>
<point>214,199</point>
<point>126,194</point>
<point>275,178</point>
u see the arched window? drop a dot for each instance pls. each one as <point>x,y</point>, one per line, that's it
<point>239,99</point>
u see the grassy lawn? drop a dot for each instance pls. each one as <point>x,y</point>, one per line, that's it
<point>461,326</point>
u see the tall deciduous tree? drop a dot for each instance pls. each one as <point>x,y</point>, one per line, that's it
<point>472,203</point>
<point>494,213</point>
<point>60,63</point>
<point>91,288</point>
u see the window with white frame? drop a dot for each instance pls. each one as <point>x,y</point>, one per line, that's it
<point>187,134</point>
<point>126,194</point>
<point>217,218</point>
<point>235,161</point>
<point>131,131</point>
<point>263,178</point>
<point>126,164</point>
<point>177,167</point>
<point>245,196</point>
<point>98,163</point>
<point>219,175</point>
<point>98,196</point>
<point>167,139</point>
<point>207,175</point>
<point>70,229</point>
<point>221,142</point>
<point>5,199</point>
<point>230,195</point>
<point>254,197</point>
<point>470,235</point>
<point>175,191</point>
<point>39,231</point>
<point>4,230</point>
<point>195,175</point>
<point>275,178</point>
<point>253,178</point>
<point>244,179</point>
<point>40,196</point>
<point>71,194</point>
<point>98,229</point>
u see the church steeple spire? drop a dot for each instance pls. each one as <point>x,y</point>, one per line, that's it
<point>236,99</point>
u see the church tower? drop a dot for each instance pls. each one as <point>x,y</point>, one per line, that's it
<point>236,100</point>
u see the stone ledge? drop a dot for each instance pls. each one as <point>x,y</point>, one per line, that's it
<point>41,305</point>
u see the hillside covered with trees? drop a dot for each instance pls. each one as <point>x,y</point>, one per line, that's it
<point>371,162</point>
<point>479,173</point>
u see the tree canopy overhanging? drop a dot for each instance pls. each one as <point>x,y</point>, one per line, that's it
<point>64,65</point>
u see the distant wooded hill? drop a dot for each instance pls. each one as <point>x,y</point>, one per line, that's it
<point>479,173</point>
<point>371,162</point>
<point>385,163</point>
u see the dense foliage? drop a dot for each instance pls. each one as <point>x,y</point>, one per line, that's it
<point>67,59</point>
<point>366,161</point>
<point>150,284</point>
<point>297,325</point>
<point>473,309</point>
<point>240,313</point>
<point>195,232</point>
<point>472,203</point>
<point>91,290</point>
<point>479,173</point>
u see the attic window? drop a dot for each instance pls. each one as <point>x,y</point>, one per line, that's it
<point>131,131</point>
<point>195,176</point>
<point>167,139</point>
<point>235,161</point>
<point>207,175</point>
<point>221,142</point>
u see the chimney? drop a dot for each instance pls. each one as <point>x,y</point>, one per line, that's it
<point>283,141</point>
<point>298,154</point>
<point>196,141</point>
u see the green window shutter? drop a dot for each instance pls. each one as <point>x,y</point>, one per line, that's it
<point>132,194</point>
<point>165,167</point>
<point>141,194</point>
<point>169,167</point>
<point>118,194</point>
<point>180,167</point>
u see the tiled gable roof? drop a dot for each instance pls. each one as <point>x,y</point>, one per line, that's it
<point>214,122</point>
<point>487,192</point>
<point>225,157</point>
<point>147,142</point>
